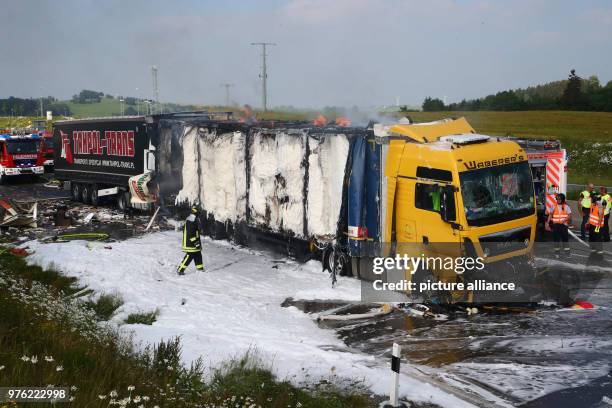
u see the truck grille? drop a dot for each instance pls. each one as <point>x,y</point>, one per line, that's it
<point>25,163</point>
<point>505,241</point>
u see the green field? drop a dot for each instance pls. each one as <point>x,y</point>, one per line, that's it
<point>566,126</point>
<point>106,107</point>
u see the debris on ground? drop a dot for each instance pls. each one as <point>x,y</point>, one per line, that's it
<point>86,236</point>
<point>21,252</point>
<point>89,218</point>
<point>53,183</point>
<point>13,214</point>
<point>342,313</point>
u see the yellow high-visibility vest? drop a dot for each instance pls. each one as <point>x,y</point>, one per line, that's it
<point>586,199</point>
<point>608,199</point>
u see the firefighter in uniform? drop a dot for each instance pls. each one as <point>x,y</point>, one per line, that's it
<point>191,243</point>
<point>561,217</point>
<point>596,222</point>
<point>585,205</point>
<point>606,201</point>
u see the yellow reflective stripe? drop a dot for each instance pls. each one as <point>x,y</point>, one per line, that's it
<point>183,264</point>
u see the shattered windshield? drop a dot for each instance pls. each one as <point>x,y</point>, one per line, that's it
<point>22,147</point>
<point>497,194</point>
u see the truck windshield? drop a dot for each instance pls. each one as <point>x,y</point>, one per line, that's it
<point>497,194</point>
<point>23,146</point>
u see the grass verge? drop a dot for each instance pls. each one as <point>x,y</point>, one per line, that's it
<point>48,337</point>
<point>105,306</point>
<point>142,318</point>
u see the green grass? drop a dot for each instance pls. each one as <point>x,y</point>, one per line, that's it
<point>48,338</point>
<point>106,107</point>
<point>563,125</point>
<point>105,306</point>
<point>142,318</point>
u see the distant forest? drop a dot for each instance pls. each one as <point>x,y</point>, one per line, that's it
<point>574,93</point>
<point>31,107</point>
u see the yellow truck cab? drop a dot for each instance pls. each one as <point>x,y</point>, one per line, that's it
<point>453,192</point>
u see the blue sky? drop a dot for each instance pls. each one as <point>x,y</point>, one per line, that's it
<point>329,52</point>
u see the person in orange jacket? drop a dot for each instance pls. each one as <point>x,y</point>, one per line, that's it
<point>596,222</point>
<point>561,218</point>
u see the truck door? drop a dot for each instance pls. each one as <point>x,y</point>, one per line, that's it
<point>430,226</point>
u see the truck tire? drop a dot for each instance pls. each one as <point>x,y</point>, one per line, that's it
<point>86,193</point>
<point>122,201</point>
<point>75,191</point>
<point>95,199</point>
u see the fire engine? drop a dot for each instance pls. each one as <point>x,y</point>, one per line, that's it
<point>21,155</point>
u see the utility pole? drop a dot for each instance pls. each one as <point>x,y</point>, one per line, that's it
<point>227,93</point>
<point>264,73</point>
<point>41,108</point>
<point>155,87</point>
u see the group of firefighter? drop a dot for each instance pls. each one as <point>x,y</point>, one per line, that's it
<point>595,210</point>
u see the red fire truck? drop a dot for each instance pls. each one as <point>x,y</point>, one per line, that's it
<point>21,155</point>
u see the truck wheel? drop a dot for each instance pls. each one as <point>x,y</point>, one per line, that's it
<point>95,200</point>
<point>75,190</point>
<point>86,193</point>
<point>122,201</point>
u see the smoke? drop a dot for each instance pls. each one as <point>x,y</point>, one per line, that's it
<point>359,117</point>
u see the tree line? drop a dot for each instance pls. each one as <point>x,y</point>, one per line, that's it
<point>575,93</point>
<point>12,106</point>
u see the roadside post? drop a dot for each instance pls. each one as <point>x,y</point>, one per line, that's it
<point>395,370</point>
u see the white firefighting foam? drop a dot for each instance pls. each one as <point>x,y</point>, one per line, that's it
<point>214,174</point>
<point>276,194</point>
<point>189,192</point>
<point>223,176</point>
<point>326,166</point>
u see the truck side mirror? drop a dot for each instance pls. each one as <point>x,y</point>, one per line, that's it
<point>447,210</point>
<point>150,160</point>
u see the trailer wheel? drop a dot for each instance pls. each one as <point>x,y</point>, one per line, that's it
<point>86,194</point>
<point>95,199</point>
<point>75,190</point>
<point>122,201</point>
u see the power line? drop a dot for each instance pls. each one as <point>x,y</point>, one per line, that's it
<point>264,73</point>
<point>227,93</point>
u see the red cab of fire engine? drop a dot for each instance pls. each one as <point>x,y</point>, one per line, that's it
<point>21,155</point>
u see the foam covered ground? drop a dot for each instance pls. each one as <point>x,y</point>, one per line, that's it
<point>232,308</point>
